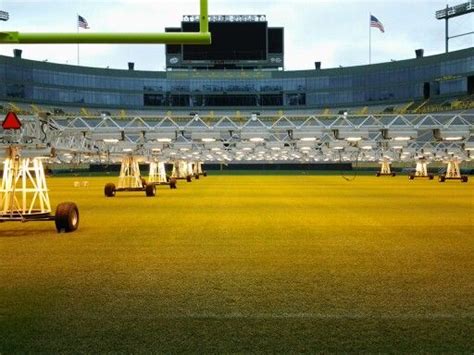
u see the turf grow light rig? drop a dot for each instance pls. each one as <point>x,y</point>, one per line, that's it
<point>421,170</point>
<point>385,169</point>
<point>157,176</point>
<point>453,172</point>
<point>197,170</point>
<point>24,195</point>
<point>182,170</point>
<point>130,179</point>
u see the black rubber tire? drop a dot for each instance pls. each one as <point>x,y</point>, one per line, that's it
<point>378,174</point>
<point>173,183</point>
<point>109,190</point>
<point>204,174</point>
<point>197,176</point>
<point>411,177</point>
<point>143,182</point>
<point>189,178</point>
<point>430,176</point>
<point>394,174</point>
<point>150,190</point>
<point>442,179</point>
<point>66,217</point>
<point>464,178</point>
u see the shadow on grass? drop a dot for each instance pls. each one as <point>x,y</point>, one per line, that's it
<point>27,232</point>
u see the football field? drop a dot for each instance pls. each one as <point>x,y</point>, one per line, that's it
<point>281,263</point>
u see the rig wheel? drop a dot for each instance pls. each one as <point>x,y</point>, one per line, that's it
<point>150,190</point>
<point>394,174</point>
<point>431,176</point>
<point>173,183</point>
<point>67,217</point>
<point>109,190</point>
<point>197,176</point>
<point>442,178</point>
<point>411,177</point>
<point>189,178</point>
<point>204,174</point>
<point>464,178</point>
<point>378,174</point>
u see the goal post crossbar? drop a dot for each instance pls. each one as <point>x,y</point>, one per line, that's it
<point>203,37</point>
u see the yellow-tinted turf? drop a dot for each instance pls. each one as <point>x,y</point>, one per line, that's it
<point>246,264</point>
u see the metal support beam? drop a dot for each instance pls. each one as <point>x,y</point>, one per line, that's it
<point>462,35</point>
<point>203,37</point>
<point>447,30</point>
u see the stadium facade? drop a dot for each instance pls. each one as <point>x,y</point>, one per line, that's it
<point>438,76</point>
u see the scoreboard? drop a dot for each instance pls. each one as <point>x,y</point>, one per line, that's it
<point>238,42</point>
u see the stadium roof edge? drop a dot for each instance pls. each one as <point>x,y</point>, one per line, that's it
<point>274,74</point>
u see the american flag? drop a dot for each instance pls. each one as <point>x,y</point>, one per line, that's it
<point>81,22</point>
<point>374,22</point>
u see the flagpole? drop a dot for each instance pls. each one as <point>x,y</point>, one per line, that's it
<point>370,38</point>
<point>77,24</point>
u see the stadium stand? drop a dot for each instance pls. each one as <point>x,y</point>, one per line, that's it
<point>440,83</point>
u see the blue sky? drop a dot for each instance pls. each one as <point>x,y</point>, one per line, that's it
<point>334,32</point>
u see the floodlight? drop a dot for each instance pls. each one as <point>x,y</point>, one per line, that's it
<point>308,135</point>
<point>454,138</point>
<point>4,16</point>
<point>396,144</point>
<point>106,136</point>
<point>448,135</point>
<point>249,133</point>
<point>353,139</point>
<point>338,145</point>
<point>352,135</point>
<point>455,11</point>
<point>111,140</point>
<point>400,135</point>
<point>186,146</point>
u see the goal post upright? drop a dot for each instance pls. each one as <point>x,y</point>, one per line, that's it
<point>203,37</point>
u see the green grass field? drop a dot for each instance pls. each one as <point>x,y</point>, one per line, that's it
<point>246,264</point>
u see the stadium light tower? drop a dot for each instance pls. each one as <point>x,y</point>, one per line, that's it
<point>451,12</point>
<point>202,37</point>
<point>4,16</point>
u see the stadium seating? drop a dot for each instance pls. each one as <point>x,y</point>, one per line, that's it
<point>464,104</point>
